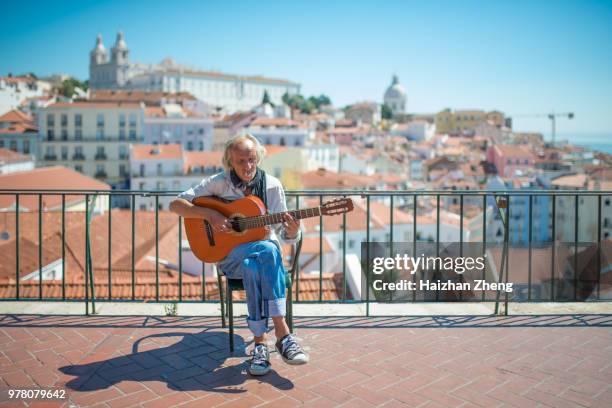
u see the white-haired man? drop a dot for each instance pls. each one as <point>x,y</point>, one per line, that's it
<point>259,264</point>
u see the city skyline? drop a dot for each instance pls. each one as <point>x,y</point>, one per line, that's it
<point>520,58</point>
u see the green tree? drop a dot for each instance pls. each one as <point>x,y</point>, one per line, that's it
<point>386,112</point>
<point>68,87</point>
<point>266,99</point>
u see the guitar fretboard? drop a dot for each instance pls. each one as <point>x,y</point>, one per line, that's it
<point>270,219</point>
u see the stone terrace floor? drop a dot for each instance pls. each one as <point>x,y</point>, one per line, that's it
<point>467,361</point>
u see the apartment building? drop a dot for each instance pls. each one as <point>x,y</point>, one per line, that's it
<point>92,138</point>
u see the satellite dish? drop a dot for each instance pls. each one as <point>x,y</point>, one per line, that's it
<point>5,235</point>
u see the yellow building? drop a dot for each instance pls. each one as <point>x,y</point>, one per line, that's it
<point>91,137</point>
<point>448,121</point>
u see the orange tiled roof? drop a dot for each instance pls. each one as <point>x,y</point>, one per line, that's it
<point>15,116</point>
<point>9,156</point>
<point>330,180</point>
<point>157,152</point>
<point>95,105</point>
<point>46,178</point>
<point>262,121</point>
<point>202,159</point>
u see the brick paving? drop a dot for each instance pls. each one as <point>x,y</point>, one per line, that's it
<point>467,361</point>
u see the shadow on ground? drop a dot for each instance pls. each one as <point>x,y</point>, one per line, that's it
<point>196,362</point>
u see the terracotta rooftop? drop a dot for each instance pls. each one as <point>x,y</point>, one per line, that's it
<point>46,178</point>
<point>95,105</point>
<point>157,152</point>
<point>571,181</point>
<point>323,179</point>
<point>8,156</point>
<point>285,122</point>
<point>15,116</point>
<point>202,159</point>
<point>148,98</point>
<point>514,151</point>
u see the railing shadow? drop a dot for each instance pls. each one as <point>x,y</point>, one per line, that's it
<point>195,363</point>
<point>315,322</point>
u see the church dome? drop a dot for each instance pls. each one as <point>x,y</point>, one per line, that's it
<point>395,90</point>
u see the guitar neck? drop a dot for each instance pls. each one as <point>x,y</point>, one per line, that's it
<point>270,219</point>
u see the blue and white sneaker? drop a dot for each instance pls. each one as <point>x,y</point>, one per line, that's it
<point>290,350</point>
<point>259,364</point>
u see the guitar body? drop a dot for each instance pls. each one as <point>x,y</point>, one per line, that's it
<point>210,245</point>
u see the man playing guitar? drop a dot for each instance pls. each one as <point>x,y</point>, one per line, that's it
<point>259,264</point>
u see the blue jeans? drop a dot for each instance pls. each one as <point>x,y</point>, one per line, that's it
<point>260,266</point>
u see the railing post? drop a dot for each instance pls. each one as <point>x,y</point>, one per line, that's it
<point>40,244</point>
<point>17,277</point>
<point>367,263</point>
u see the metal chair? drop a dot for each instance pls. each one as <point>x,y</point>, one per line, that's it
<point>236,284</point>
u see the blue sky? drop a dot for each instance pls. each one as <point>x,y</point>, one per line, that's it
<point>520,57</point>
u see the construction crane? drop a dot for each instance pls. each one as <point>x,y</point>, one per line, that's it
<point>553,118</point>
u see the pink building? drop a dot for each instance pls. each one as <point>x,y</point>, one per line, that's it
<point>510,160</point>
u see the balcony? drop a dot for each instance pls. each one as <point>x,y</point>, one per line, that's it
<point>50,157</point>
<point>116,357</point>
<point>100,175</point>
<point>78,157</point>
<point>539,269</point>
<point>100,156</point>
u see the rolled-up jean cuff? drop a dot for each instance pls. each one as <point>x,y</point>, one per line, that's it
<point>277,307</point>
<point>258,327</point>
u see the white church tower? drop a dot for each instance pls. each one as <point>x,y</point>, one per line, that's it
<point>105,73</point>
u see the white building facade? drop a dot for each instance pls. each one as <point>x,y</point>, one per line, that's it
<point>224,92</point>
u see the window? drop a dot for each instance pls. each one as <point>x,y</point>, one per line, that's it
<point>64,134</point>
<point>26,146</point>
<point>122,120</point>
<point>351,243</point>
<point>100,134</point>
<point>141,186</point>
<point>201,131</point>
<point>142,170</point>
<point>78,150</point>
<point>78,168</point>
<point>100,120</point>
<point>50,134</point>
<point>13,144</point>
<point>122,171</point>
<point>64,153</point>
<point>78,134</point>
<point>50,120</point>
<point>190,146</point>
<point>78,120</point>
<point>1,143</point>
<point>132,119</point>
<point>159,169</point>
<point>132,134</point>
<point>99,168</point>
<point>64,120</point>
<point>123,154</point>
<point>121,134</point>
<point>201,146</point>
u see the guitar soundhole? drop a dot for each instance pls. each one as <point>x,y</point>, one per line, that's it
<point>236,225</point>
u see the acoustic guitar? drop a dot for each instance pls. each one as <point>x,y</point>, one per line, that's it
<point>249,219</point>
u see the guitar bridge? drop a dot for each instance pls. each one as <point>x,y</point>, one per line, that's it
<point>209,233</point>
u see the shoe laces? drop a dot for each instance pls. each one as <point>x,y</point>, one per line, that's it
<point>260,354</point>
<point>290,347</point>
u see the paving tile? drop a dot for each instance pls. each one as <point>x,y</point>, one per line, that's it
<point>414,362</point>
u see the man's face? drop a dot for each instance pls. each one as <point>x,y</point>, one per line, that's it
<point>243,158</point>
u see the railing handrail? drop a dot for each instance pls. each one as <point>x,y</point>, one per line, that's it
<point>293,193</point>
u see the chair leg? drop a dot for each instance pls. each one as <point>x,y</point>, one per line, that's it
<point>221,300</point>
<point>230,312</point>
<point>290,310</point>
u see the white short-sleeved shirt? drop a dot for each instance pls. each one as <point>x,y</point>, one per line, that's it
<point>220,185</point>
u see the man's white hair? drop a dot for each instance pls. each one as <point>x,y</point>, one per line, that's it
<point>231,143</point>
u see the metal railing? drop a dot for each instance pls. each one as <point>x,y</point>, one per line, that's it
<point>409,203</point>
